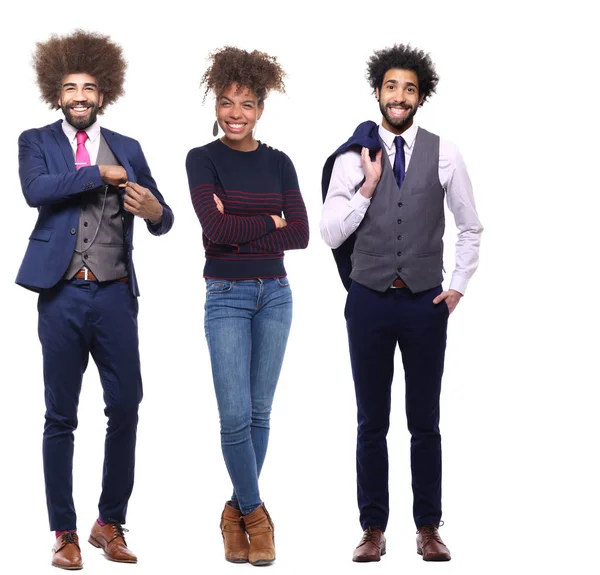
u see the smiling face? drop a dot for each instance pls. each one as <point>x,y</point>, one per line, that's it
<point>80,100</point>
<point>398,99</point>
<point>237,113</point>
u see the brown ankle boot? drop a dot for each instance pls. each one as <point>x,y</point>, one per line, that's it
<point>234,536</point>
<point>261,530</point>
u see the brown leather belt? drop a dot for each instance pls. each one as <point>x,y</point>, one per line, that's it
<point>89,276</point>
<point>398,284</point>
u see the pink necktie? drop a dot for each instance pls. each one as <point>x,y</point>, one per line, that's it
<point>82,158</point>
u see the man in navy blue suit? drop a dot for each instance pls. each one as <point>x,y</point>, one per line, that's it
<point>88,184</point>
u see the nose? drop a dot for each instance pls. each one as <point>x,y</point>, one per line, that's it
<point>235,112</point>
<point>80,95</point>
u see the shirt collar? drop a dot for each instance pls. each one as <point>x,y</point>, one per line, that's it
<point>92,131</point>
<point>408,135</point>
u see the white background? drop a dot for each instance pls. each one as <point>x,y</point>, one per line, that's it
<point>518,95</point>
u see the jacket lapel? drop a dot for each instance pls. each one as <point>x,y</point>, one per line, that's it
<point>63,143</point>
<point>114,142</point>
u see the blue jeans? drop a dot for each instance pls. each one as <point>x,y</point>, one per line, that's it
<point>247,325</point>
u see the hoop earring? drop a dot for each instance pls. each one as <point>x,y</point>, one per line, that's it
<point>216,129</point>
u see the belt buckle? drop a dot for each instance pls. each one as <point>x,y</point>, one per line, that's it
<point>85,273</point>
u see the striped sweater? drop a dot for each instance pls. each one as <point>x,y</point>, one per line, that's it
<point>243,243</point>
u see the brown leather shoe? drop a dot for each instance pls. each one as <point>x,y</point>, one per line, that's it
<point>112,540</point>
<point>261,531</point>
<point>371,546</point>
<point>430,544</point>
<point>66,553</point>
<point>234,535</point>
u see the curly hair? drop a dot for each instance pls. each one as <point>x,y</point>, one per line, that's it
<point>255,70</point>
<point>79,53</point>
<point>407,58</point>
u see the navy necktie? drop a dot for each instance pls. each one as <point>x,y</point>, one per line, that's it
<point>399,169</point>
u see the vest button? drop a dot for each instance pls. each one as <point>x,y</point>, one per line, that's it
<point>399,269</point>
<point>400,204</point>
<point>85,224</point>
<point>399,237</point>
<point>399,221</point>
<point>86,256</point>
<point>73,231</point>
<point>399,253</point>
<point>85,240</point>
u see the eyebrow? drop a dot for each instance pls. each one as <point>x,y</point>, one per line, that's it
<point>244,102</point>
<point>84,85</point>
<point>406,84</point>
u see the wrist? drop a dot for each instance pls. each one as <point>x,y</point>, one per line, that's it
<point>368,189</point>
<point>155,219</point>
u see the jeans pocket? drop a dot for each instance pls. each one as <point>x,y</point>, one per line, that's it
<point>218,286</point>
<point>282,282</point>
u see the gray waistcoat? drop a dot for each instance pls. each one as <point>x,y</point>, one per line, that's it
<point>105,254</point>
<point>402,231</point>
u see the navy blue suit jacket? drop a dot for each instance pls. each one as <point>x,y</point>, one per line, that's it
<point>366,135</point>
<point>51,184</point>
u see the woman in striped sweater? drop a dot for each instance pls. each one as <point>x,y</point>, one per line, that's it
<point>247,198</point>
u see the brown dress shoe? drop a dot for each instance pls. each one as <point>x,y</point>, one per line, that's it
<point>234,535</point>
<point>66,553</point>
<point>111,539</point>
<point>430,544</point>
<point>371,546</point>
<point>261,531</point>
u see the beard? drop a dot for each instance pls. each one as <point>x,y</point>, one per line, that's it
<point>81,122</point>
<point>398,123</point>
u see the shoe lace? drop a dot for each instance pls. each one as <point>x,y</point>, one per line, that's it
<point>68,537</point>
<point>118,529</point>
<point>430,532</point>
<point>369,535</point>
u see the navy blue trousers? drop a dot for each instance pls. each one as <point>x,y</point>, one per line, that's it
<point>77,319</point>
<point>376,323</point>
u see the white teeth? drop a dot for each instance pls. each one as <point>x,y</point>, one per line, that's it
<point>236,126</point>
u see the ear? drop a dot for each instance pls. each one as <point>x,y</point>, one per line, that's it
<point>261,109</point>
<point>377,94</point>
<point>100,99</point>
<point>421,99</point>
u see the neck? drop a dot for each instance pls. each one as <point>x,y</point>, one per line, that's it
<point>245,145</point>
<point>395,130</point>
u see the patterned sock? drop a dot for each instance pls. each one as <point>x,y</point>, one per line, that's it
<point>59,533</point>
<point>100,522</point>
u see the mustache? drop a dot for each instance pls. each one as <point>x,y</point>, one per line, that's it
<point>80,105</point>
<point>403,106</point>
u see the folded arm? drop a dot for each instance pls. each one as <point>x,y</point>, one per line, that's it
<point>295,234</point>
<point>217,227</point>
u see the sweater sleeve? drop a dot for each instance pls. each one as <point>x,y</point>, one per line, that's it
<point>295,234</point>
<point>217,227</point>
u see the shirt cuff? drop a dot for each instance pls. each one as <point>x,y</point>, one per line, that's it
<point>459,283</point>
<point>270,223</point>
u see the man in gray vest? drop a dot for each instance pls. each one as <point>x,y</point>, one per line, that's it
<point>87,184</point>
<point>383,215</point>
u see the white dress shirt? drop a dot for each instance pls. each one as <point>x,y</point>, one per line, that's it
<point>92,144</point>
<point>344,208</point>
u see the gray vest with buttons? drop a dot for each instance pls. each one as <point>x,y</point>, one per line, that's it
<point>401,235</point>
<point>104,254</point>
